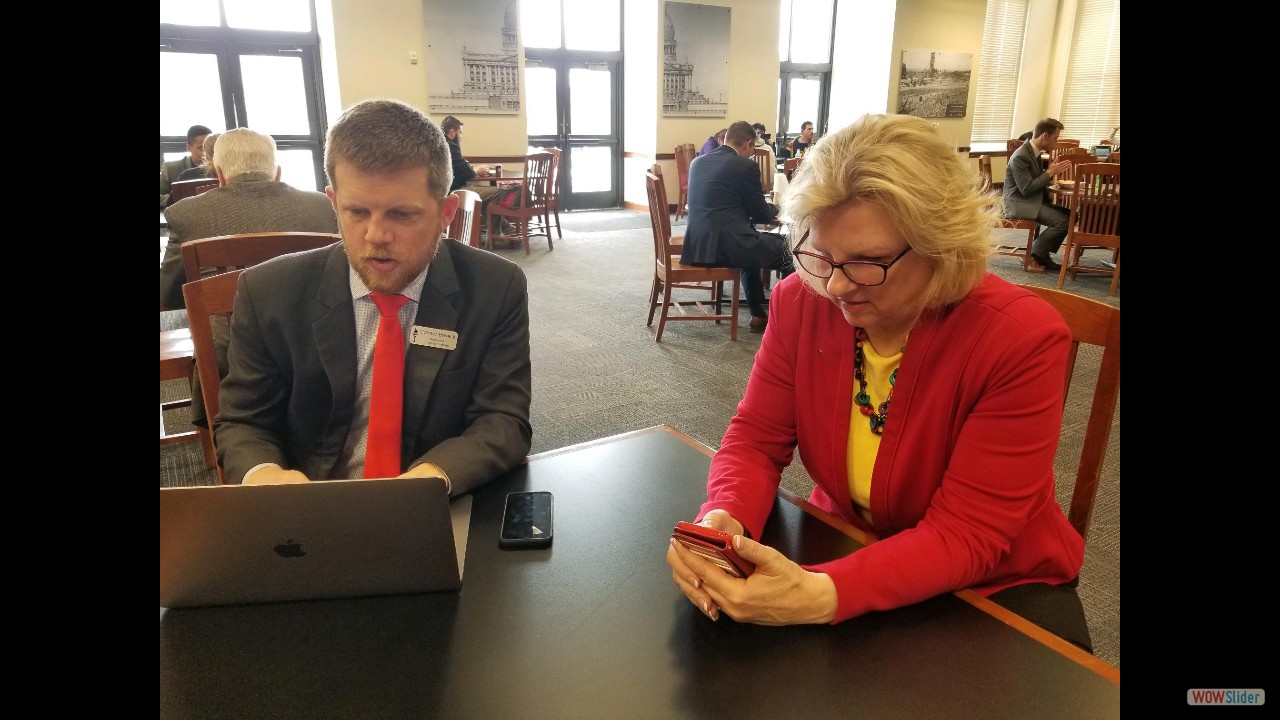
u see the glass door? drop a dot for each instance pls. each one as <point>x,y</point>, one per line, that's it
<point>802,97</point>
<point>574,105</point>
<point>230,64</point>
<point>573,94</point>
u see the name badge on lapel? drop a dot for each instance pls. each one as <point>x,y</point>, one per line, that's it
<point>433,337</point>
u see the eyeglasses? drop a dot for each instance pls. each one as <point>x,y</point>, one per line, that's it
<point>860,272</point>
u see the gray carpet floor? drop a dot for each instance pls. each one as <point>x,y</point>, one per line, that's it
<point>597,372</point>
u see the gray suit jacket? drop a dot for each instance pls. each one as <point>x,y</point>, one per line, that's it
<point>169,173</point>
<point>289,395</point>
<point>241,206</point>
<point>1025,182</point>
<point>725,197</point>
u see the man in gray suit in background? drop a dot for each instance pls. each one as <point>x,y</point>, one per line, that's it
<point>170,171</point>
<point>249,198</point>
<point>1026,184</point>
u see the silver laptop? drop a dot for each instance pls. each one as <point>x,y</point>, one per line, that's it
<point>236,544</point>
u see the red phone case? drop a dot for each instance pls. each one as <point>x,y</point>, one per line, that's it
<point>713,545</point>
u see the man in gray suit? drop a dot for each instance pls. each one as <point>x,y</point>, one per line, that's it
<point>249,198</point>
<point>169,171</point>
<point>1026,185</point>
<point>295,405</point>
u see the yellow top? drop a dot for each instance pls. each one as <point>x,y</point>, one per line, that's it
<point>864,444</point>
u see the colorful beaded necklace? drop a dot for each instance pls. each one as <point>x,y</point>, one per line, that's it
<point>877,416</point>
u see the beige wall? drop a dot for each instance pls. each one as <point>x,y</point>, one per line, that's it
<point>373,41</point>
<point>951,25</point>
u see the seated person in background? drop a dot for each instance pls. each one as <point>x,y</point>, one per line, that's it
<point>797,147</point>
<point>200,172</point>
<point>762,143</point>
<point>464,171</point>
<point>296,404</point>
<point>725,199</point>
<point>712,143</point>
<point>1026,194</point>
<point>249,198</point>
<point>169,171</point>
<point>923,394</point>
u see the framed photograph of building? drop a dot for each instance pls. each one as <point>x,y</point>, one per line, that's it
<point>695,61</point>
<point>473,56</point>
<point>934,83</point>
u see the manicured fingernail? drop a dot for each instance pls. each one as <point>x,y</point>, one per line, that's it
<point>706,608</point>
<point>697,582</point>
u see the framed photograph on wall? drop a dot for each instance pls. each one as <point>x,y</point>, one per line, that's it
<point>473,56</point>
<point>934,83</point>
<point>695,61</point>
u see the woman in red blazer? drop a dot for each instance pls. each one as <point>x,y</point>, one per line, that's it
<point>924,396</point>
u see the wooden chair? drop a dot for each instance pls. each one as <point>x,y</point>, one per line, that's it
<point>226,253</point>
<point>790,165</point>
<point>553,197</point>
<point>1011,145</point>
<point>1095,221</point>
<point>1093,323</point>
<point>182,189</point>
<point>532,200</point>
<point>764,159</point>
<point>234,252</point>
<point>1031,226</point>
<point>464,228</point>
<point>669,274</point>
<point>177,362</point>
<point>684,157</point>
<point>1062,147</point>
<point>206,299</point>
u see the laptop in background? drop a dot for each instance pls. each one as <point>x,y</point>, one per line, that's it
<point>239,544</point>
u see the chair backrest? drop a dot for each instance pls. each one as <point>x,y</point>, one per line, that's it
<point>1093,323</point>
<point>464,227</point>
<point>790,165</point>
<point>659,218</point>
<point>233,252</point>
<point>553,185</point>
<point>182,189</point>
<point>1011,145</point>
<point>537,178</point>
<point>1095,214</point>
<point>684,157</point>
<point>206,299</point>
<point>984,172</point>
<point>767,169</point>
<point>1076,159</point>
<point>1061,147</point>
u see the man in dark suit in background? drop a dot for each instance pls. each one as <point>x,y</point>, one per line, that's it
<point>249,198</point>
<point>170,171</point>
<point>1026,196</point>
<point>295,405</point>
<point>464,171</point>
<point>725,199</point>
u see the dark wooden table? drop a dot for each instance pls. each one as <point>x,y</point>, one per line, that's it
<point>594,627</point>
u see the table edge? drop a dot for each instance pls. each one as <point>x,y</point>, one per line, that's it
<point>1017,622</point>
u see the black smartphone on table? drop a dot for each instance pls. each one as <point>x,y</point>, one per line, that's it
<point>526,520</point>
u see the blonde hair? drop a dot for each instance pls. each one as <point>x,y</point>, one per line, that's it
<point>902,164</point>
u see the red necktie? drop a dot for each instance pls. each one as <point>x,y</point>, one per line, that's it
<point>386,404</point>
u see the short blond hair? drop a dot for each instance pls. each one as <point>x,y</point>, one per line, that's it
<point>902,164</point>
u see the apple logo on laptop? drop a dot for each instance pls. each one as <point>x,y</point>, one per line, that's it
<point>290,549</point>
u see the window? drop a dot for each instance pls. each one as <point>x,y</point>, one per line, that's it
<point>1091,97</point>
<point>804,78</point>
<point>998,70</point>
<point>243,63</point>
